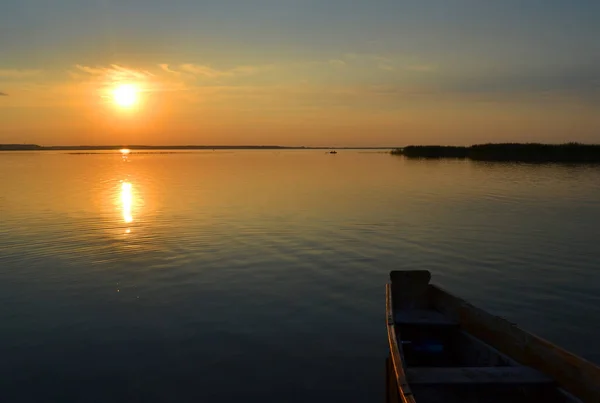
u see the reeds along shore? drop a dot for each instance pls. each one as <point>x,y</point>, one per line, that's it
<point>531,152</point>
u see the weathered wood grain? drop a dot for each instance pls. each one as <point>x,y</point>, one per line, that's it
<point>578,376</point>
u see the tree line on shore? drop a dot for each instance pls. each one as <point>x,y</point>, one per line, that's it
<point>518,152</point>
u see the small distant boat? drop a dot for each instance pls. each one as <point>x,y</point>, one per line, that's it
<point>333,152</point>
<point>443,349</point>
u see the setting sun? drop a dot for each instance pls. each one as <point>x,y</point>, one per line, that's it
<point>125,95</point>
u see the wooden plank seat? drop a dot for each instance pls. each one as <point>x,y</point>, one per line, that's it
<point>476,375</point>
<point>422,317</point>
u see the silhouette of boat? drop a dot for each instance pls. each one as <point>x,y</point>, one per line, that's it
<point>333,152</point>
<point>443,349</point>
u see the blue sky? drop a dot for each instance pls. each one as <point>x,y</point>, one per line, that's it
<point>534,32</point>
<point>509,51</point>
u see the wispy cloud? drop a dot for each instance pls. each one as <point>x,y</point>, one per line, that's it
<point>165,67</point>
<point>105,78</point>
<point>375,60</point>
<point>3,94</point>
<point>420,67</point>
<point>183,73</point>
<point>194,77</point>
<point>390,63</point>
<point>210,72</point>
<point>386,67</point>
<point>575,81</point>
<point>115,72</point>
<point>382,63</point>
<point>337,63</point>
<point>579,84</point>
<point>17,73</point>
<point>133,72</point>
<point>91,70</point>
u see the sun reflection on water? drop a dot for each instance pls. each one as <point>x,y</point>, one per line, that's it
<point>126,201</point>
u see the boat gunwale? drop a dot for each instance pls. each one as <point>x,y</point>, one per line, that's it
<point>576,377</point>
<point>402,384</point>
<point>583,380</point>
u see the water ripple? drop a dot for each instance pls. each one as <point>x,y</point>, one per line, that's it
<point>271,265</point>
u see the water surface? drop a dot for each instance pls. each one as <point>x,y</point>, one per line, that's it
<point>258,275</point>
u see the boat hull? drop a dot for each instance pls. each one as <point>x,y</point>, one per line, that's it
<point>573,375</point>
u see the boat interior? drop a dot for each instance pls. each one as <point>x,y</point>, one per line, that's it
<point>443,363</point>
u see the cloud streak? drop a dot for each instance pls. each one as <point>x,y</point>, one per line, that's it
<point>165,67</point>
<point>337,63</point>
<point>115,72</point>
<point>17,73</point>
<point>400,78</point>
<point>424,68</point>
<point>205,71</point>
<point>582,83</point>
<point>389,63</point>
<point>3,94</point>
<point>106,78</point>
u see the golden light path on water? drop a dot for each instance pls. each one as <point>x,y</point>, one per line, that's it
<point>126,195</point>
<point>126,201</point>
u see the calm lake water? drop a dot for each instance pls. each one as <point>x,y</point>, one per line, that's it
<point>219,276</point>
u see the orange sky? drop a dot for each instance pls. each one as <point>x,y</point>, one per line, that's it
<point>384,74</point>
<point>193,104</point>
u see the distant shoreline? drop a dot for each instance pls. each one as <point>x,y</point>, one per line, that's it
<point>36,147</point>
<point>508,152</point>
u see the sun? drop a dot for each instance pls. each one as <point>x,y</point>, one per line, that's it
<point>125,95</point>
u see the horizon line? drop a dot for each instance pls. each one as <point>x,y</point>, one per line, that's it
<point>32,146</point>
